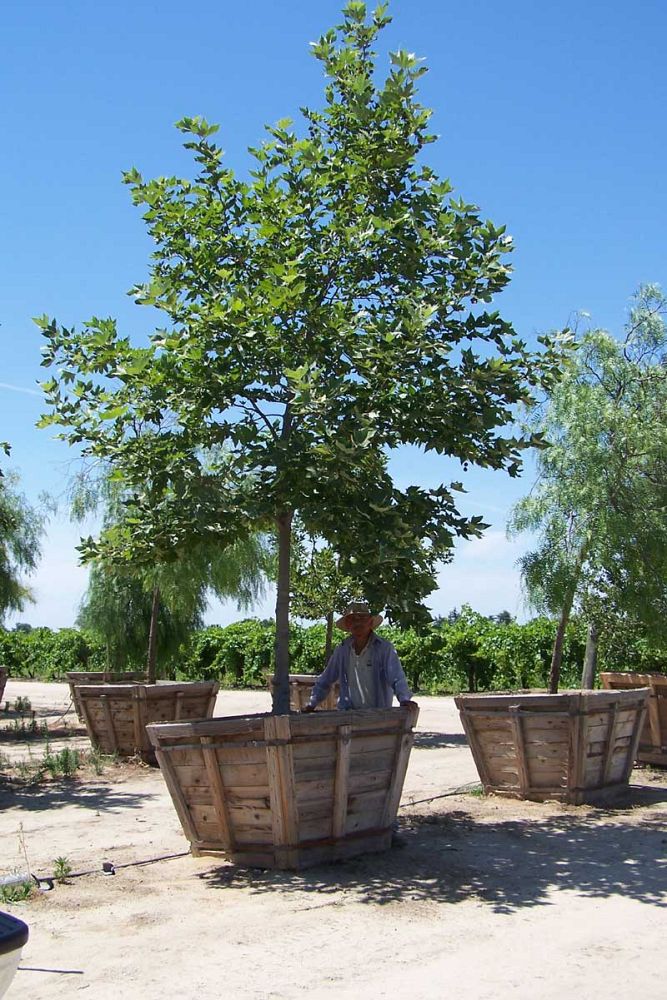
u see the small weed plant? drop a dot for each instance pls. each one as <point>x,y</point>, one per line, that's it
<point>62,869</point>
<point>18,892</point>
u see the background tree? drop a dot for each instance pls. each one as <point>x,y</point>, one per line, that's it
<point>600,500</point>
<point>147,611</point>
<point>320,313</point>
<point>319,588</point>
<point>21,528</point>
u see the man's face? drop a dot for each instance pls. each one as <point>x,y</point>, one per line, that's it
<point>360,625</point>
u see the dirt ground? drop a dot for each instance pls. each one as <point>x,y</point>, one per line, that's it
<point>487,897</point>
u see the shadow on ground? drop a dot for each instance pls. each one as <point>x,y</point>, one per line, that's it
<point>450,857</point>
<point>96,796</point>
<point>438,741</point>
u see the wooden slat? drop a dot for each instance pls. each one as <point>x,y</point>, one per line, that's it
<point>634,743</point>
<point>654,721</point>
<point>108,718</point>
<point>139,717</point>
<point>611,743</point>
<point>280,766</point>
<point>522,763</point>
<point>218,792</point>
<point>404,745</point>
<point>341,782</point>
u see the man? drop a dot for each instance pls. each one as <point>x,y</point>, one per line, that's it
<point>367,667</point>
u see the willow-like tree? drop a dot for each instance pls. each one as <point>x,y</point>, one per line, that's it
<point>146,612</point>
<point>600,499</point>
<point>21,529</point>
<point>326,309</point>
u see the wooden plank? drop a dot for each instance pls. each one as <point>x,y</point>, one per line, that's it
<point>249,793</point>
<point>307,791</point>
<point>218,792</point>
<point>237,775</point>
<point>370,762</point>
<point>341,782</point>
<point>521,761</point>
<point>177,797</point>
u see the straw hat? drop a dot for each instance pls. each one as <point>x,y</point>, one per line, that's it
<point>357,608</point>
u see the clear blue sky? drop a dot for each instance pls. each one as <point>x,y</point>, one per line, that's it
<point>551,117</point>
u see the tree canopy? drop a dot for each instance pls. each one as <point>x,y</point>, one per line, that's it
<point>320,313</point>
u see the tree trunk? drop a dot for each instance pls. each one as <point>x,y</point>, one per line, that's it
<point>590,657</point>
<point>151,666</point>
<point>557,654</point>
<point>329,640</point>
<point>281,675</point>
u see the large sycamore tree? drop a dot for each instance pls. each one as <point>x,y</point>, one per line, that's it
<point>599,505</point>
<point>322,311</point>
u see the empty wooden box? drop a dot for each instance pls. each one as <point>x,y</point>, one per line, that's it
<point>300,690</point>
<point>116,715</point>
<point>653,737</point>
<point>76,678</point>
<point>576,746</point>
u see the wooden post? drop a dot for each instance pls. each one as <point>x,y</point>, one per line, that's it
<point>341,783</point>
<point>280,766</point>
<point>403,747</point>
<point>521,761</point>
<point>634,741</point>
<point>218,791</point>
<point>611,737</point>
<point>139,718</point>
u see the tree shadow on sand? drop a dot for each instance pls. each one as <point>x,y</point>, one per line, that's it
<point>451,857</point>
<point>94,796</point>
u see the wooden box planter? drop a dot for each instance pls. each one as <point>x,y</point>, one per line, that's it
<point>653,736</point>
<point>576,746</point>
<point>288,791</point>
<point>116,715</point>
<point>76,678</point>
<point>4,673</point>
<point>300,690</point>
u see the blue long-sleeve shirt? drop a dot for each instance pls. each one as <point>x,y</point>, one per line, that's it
<point>387,671</point>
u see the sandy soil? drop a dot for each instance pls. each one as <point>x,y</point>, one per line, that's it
<point>488,898</point>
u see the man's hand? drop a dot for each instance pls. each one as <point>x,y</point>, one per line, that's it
<point>308,708</point>
<point>409,704</point>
